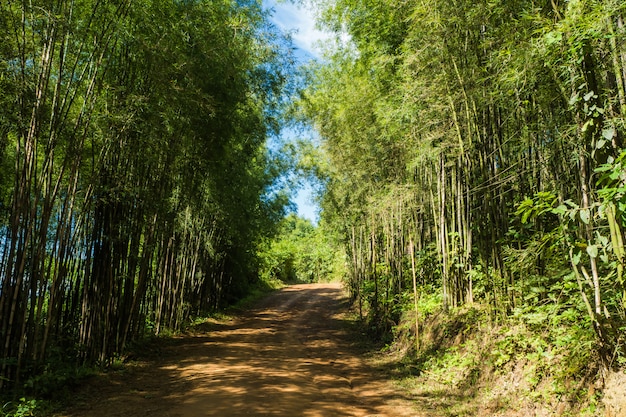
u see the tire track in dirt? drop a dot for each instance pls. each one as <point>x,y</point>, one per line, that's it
<point>291,355</point>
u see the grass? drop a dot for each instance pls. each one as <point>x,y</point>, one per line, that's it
<point>466,365</point>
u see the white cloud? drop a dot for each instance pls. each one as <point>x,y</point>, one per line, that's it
<point>300,22</point>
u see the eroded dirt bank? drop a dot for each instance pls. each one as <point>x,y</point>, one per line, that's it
<point>291,355</point>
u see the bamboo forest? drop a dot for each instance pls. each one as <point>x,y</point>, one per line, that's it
<point>136,180</point>
<point>469,162</point>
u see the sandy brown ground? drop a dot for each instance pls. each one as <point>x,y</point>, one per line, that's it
<point>290,355</point>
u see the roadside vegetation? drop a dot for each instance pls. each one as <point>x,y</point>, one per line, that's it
<point>136,180</point>
<point>474,168</point>
<point>302,252</point>
<point>473,188</point>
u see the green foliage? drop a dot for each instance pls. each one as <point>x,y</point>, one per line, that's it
<point>301,252</point>
<point>612,182</point>
<point>454,365</point>
<point>560,351</point>
<point>474,150</point>
<point>23,408</point>
<point>534,356</point>
<point>57,379</point>
<point>582,231</point>
<point>136,184</point>
<point>430,301</point>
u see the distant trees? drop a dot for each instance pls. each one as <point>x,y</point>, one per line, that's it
<point>134,173</point>
<point>301,252</point>
<point>490,136</point>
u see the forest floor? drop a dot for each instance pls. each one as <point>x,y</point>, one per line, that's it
<point>297,352</point>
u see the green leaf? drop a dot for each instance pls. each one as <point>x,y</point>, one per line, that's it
<point>592,251</point>
<point>553,37</point>
<point>585,215</point>
<point>588,96</point>
<point>587,124</point>
<point>544,195</point>
<point>600,143</point>
<point>604,168</point>
<point>608,133</point>
<point>604,241</point>
<point>576,258</point>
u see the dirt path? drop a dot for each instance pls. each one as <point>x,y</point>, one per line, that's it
<point>291,355</point>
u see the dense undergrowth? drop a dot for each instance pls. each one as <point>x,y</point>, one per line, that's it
<point>475,150</point>
<point>464,362</point>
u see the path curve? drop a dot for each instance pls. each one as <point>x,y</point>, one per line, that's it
<point>290,355</point>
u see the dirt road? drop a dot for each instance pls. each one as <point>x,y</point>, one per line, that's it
<point>291,355</point>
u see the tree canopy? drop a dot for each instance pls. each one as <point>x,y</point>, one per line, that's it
<point>477,148</point>
<point>135,176</point>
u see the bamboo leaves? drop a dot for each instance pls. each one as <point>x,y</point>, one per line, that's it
<point>134,151</point>
<point>503,116</point>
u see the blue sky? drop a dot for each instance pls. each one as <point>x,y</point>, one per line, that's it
<point>300,22</point>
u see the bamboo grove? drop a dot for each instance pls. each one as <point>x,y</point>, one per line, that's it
<point>135,180</point>
<point>477,148</point>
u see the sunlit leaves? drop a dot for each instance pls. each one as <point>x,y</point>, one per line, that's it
<point>471,112</point>
<point>133,137</point>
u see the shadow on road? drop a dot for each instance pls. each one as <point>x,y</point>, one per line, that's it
<point>290,355</point>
